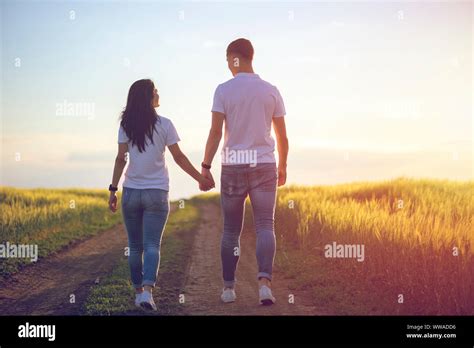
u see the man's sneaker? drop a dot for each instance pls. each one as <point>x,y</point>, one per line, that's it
<point>265,296</point>
<point>146,301</point>
<point>228,295</point>
<point>138,299</point>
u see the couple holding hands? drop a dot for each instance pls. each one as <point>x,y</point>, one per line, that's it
<point>246,107</point>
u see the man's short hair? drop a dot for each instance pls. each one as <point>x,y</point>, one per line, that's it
<point>242,47</point>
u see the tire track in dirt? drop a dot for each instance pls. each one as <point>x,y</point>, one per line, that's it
<point>44,288</point>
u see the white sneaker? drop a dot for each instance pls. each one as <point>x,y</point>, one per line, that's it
<point>265,296</point>
<point>138,299</point>
<point>228,295</point>
<point>146,301</point>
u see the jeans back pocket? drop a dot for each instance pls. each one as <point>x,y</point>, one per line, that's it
<point>156,199</point>
<point>233,184</point>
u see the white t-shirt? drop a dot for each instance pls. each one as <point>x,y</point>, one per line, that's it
<point>249,104</point>
<point>148,169</point>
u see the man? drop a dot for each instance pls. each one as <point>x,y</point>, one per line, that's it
<point>248,106</point>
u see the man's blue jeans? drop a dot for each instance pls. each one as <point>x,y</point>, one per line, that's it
<point>145,212</point>
<point>260,183</point>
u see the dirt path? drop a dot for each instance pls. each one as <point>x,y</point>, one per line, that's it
<point>204,281</point>
<point>45,288</point>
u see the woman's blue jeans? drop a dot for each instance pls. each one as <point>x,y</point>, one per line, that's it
<point>145,212</point>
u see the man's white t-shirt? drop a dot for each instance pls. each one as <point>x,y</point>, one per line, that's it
<point>148,169</point>
<point>249,104</point>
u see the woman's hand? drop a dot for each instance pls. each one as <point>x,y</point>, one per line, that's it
<point>113,202</point>
<point>205,182</point>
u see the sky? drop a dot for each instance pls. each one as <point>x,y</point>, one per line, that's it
<point>373,90</point>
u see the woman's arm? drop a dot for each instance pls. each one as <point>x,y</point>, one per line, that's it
<point>120,163</point>
<point>183,161</point>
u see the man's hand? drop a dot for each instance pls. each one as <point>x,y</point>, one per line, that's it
<point>113,202</point>
<point>281,175</point>
<point>206,184</point>
<point>208,181</point>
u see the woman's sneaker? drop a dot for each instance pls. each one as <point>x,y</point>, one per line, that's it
<point>265,296</point>
<point>228,295</point>
<point>138,299</point>
<point>146,301</point>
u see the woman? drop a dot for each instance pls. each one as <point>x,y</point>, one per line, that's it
<point>145,204</point>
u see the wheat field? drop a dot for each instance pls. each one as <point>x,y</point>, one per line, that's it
<point>50,218</point>
<point>418,238</point>
<point>417,235</point>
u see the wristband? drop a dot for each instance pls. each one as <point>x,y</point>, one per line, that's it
<point>205,166</point>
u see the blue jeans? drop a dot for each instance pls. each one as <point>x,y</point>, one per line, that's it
<point>260,183</point>
<point>145,212</point>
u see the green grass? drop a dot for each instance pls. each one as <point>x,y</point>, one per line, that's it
<point>51,219</point>
<point>115,294</point>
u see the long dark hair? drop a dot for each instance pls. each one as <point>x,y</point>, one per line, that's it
<point>139,116</point>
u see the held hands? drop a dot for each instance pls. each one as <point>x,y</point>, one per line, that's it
<point>206,181</point>
<point>113,202</point>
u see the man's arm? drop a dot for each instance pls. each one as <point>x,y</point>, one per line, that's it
<point>282,146</point>
<point>213,140</point>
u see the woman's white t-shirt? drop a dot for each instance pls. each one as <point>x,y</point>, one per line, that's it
<point>148,169</point>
